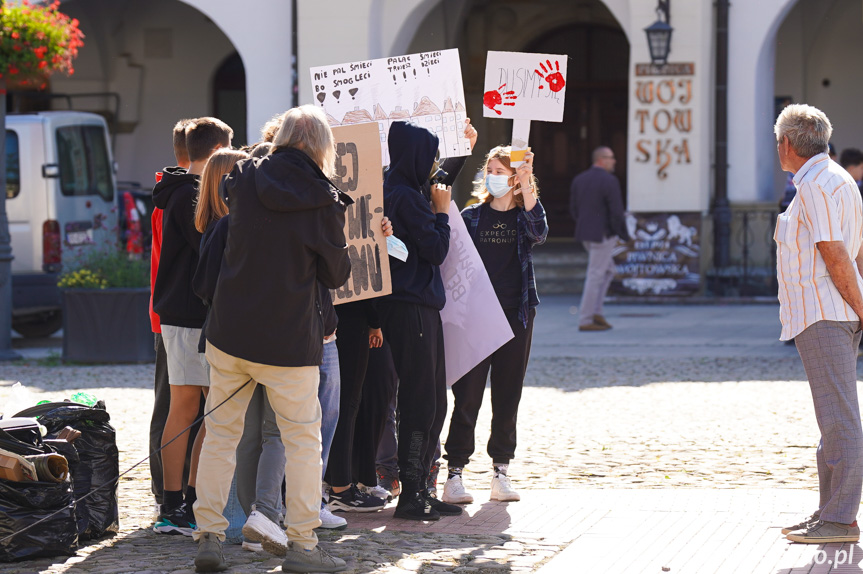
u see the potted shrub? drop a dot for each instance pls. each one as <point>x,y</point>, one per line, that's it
<point>106,301</point>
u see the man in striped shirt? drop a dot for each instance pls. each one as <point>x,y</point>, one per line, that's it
<point>818,262</point>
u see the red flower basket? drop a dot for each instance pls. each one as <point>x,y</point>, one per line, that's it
<point>36,40</point>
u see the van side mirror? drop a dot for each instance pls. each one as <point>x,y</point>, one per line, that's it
<point>50,170</point>
<point>115,166</point>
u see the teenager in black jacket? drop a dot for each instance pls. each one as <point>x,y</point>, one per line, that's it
<point>285,234</point>
<point>410,316</point>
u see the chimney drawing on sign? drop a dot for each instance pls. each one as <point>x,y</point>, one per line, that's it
<point>383,132</point>
<point>428,115</point>
<point>357,116</point>
<point>463,142</point>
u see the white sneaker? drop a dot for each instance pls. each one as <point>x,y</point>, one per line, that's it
<point>501,489</point>
<point>331,521</point>
<point>378,491</point>
<point>454,492</point>
<point>259,528</point>
<point>252,546</point>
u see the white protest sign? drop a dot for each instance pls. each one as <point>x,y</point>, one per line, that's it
<point>474,325</point>
<point>424,88</point>
<point>524,86</point>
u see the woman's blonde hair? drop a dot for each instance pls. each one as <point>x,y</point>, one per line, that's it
<point>501,154</point>
<point>305,128</point>
<point>210,206</point>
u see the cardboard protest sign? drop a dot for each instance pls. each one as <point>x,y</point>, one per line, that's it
<point>358,173</point>
<point>524,86</point>
<point>474,325</point>
<point>424,88</point>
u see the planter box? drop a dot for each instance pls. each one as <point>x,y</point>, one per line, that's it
<point>107,326</point>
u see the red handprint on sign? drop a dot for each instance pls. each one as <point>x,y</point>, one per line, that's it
<point>555,79</point>
<point>494,98</point>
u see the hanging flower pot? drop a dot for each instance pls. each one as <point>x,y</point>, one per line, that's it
<point>35,42</point>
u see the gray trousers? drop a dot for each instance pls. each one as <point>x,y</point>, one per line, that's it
<point>600,272</point>
<point>829,353</point>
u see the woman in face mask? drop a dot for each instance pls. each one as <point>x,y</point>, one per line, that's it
<point>505,224</point>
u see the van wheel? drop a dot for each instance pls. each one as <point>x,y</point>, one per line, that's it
<point>36,327</point>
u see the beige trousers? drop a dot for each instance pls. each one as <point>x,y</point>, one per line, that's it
<point>293,394</point>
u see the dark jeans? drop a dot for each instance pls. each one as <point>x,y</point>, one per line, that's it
<point>379,391</point>
<point>508,366</point>
<point>416,340</point>
<point>353,344</point>
<point>161,405</point>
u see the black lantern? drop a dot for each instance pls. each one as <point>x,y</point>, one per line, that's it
<point>659,34</point>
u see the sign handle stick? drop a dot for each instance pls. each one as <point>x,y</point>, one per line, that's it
<point>520,137</point>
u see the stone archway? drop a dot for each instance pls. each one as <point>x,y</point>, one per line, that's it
<point>596,112</point>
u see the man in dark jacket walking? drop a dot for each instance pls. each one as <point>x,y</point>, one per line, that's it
<point>410,316</point>
<point>596,205</point>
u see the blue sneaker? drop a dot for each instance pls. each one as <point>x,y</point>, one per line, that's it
<point>175,521</point>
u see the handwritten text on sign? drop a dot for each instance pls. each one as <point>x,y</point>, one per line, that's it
<point>358,173</point>
<point>474,325</point>
<point>424,88</point>
<point>525,86</point>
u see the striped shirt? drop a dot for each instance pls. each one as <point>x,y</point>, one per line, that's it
<point>827,207</point>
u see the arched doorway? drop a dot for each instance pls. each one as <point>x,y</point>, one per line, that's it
<point>813,47</point>
<point>161,59</point>
<point>598,71</point>
<point>596,113</point>
<point>229,97</point>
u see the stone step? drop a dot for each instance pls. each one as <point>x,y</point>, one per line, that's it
<point>560,268</point>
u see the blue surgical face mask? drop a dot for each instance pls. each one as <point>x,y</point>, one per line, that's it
<point>497,185</point>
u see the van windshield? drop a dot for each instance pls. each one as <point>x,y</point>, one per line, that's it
<point>84,165</point>
<point>13,166</point>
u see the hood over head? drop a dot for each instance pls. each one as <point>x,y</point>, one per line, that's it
<point>172,178</point>
<point>289,180</point>
<point>412,153</point>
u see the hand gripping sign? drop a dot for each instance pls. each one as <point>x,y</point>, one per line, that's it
<point>474,325</point>
<point>358,173</point>
<point>523,87</point>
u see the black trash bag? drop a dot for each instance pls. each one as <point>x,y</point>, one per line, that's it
<point>22,504</point>
<point>98,463</point>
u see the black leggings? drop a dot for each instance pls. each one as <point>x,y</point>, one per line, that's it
<point>508,366</point>
<point>416,340</point>
<point>353,343</point>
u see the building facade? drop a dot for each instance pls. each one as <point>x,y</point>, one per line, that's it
<point>243,61</point>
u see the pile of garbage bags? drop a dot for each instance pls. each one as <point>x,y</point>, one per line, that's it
<point>58,479</point>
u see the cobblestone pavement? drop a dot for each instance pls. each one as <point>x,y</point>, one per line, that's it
<point>604,421</point>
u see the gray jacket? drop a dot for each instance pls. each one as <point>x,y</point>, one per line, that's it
<point>596,205</point>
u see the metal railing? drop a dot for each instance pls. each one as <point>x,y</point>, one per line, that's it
<point>752,266</point>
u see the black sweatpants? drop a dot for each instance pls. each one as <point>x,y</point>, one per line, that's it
<point>508,366</point>
<point>379,389</point>
<point>353,344</point>
<point>415,335</point>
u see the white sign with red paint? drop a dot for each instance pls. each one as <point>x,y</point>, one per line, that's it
<point>525,86</point>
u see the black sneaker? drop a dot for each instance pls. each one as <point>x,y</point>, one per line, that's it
<point>174,521</point>
<point>443,508</point>
<point>414,506</point>
<point>354,500</point>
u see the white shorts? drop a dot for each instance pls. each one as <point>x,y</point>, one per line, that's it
<point>184,361</point>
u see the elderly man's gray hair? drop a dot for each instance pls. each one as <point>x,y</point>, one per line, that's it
<point>807,128</point>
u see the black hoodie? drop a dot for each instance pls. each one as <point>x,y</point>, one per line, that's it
<point>426,234</point>
<point>285,234</point>
<point>173,298</point>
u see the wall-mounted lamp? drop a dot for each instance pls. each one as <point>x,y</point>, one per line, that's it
<point>659,34</point>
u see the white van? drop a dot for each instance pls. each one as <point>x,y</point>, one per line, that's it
<point>60,191</point>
